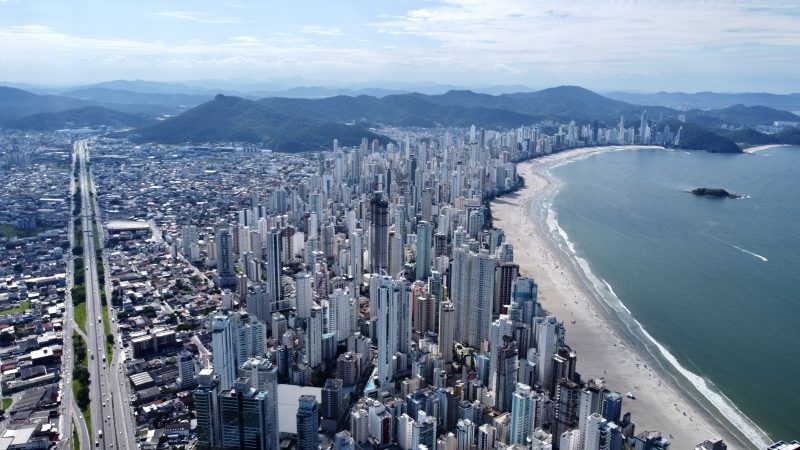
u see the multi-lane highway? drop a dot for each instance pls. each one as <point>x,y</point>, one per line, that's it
<point>71,413</point>
<point>109,411</point>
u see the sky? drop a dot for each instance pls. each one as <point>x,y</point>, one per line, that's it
<point>631,45</point>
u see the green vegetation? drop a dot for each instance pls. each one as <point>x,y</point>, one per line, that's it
<point>7,403</point>
<point>237,119</point>
<point>695,137</point>
<point>714,193</point>
<point>109,336</point>
<point>80,379</point>
<point>80,315</point>
<point>21,308</point>
<point>75,440</point>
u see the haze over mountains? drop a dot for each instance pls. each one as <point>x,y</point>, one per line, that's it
<point>176,113</point>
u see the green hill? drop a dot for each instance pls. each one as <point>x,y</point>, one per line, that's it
<point>695,137</point>
<point>236,119</point>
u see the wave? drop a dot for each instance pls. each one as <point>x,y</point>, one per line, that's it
<point>763,258</point>
<point>705,387</point>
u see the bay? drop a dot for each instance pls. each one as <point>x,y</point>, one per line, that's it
<point>716,281</point>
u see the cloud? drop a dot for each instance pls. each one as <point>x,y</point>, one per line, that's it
<point>197,17</point>
<point>322,31</point>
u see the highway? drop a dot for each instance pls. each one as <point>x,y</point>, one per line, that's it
<point>70,412</point>
<point>106,408</point>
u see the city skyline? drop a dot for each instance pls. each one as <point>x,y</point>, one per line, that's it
<point>639,46</point>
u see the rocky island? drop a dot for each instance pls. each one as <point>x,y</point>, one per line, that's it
<point>714,193</point>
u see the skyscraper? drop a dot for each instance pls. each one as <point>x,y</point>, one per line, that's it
<point>423,262</point>
<point>314,337</point>
<point>307,423</point>
<point>303,294</point>
<point>225,277</point>
<point>223,349</point>
<point>523,413</point>
<point>447,317</point>
<point>245,418</point>
<point>207,410</point>
<point>387,327</point>
<point>506,374</point>
<point>546,342</point>
<point>274,269</point>
<point>506,273</point>
<point>379,234</point>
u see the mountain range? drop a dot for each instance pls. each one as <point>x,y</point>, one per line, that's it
<point>297,124</point>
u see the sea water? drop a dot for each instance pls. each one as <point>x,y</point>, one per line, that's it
<point>713,284</point>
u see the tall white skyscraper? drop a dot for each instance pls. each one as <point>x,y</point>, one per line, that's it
<point>303,294</point>
<point>251,337</point>
<point>546,343</point>
<point>314,337</point>
<point>223,349</point>
<point>387,326</point>
<point>595,438</point>
<point>340,303</point>
<point>481,296</point>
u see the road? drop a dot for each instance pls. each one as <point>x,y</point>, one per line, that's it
<point>104,408</point>
<point>70,412</point>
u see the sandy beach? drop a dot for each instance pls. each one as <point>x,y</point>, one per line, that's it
<point>604,350</point>
<point>752,150</point>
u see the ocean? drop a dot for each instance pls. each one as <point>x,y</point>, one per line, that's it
<point>710,286</point>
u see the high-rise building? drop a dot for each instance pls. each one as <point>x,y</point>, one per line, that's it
<point>258,303</point>
<point>523,414</point>
<point>223,349</point>
<point>506,273</point>
<point>307,423</point>
<point>332,401</point>
<point>447,317</point>
<point>567,408</point>
<point>423,262</point>
<point>387,326</point>
<point>207,410</point>
<point>303,294</point>
<point>612,406</point>
<point>263,377</point>
<point>344,441</point>
<point>596,436</point>
<point>423,432</point>
<point>245,418</point>
<point>185,363</point>
<point>379,234</point>
<point>546,343</point>
<point>357,260</point>
<point>225,276</point>
<point>274,269</point>
<point>314,337</point>
<point>506,374</point>
<point>466,434</point>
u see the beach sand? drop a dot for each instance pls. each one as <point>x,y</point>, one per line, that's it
<point>759,148</point>
<point>603,350</point>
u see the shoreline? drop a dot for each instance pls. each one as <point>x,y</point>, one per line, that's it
<point>753,150</point>
<point>608,346</point>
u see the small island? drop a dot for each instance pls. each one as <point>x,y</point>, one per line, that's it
<point>714,193</point>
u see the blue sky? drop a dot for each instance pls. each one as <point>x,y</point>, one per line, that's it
<point>601,44</point>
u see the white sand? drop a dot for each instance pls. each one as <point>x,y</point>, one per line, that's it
<point>763,147</point>
<point>603,351</point>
